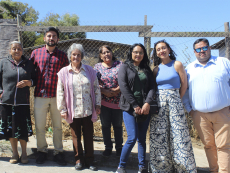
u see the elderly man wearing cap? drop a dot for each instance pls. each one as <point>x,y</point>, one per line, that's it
<point>48,60</point>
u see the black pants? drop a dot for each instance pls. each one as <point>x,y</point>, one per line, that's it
<point>78,126</point>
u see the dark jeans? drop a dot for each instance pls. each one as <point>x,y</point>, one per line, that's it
<point>110,116</point>
<point>78,126</point>
<point>135,132</point>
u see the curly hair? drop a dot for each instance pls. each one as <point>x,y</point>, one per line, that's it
<point>73,47</point>
<point>144,64</point>
<point>156,59</point>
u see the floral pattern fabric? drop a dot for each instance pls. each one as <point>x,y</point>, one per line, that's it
<point>170,143</point>
<point>109,79</point>
<point>81,94</point>
<point>15,122</point>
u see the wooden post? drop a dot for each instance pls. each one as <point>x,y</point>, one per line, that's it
<point>227,41</point>
<point>18,25</point>
<point>147,41</point>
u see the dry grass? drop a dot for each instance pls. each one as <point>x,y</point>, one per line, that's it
<point>97,125</point>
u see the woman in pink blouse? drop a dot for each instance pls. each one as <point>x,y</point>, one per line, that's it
<point>79,101</point>
<point>107,73</point>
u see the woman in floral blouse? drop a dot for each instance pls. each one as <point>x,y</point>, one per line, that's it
<point>79,101</point>
<point>107,73</point>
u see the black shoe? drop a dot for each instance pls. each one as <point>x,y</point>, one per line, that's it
<point>118,152</point>
<point>60,159</point>
<point>78,166</point>
<point>41,157</point>
<point>142,170</point>
<point>107,152</point>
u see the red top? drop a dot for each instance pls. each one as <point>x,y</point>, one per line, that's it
<point>47,66</point>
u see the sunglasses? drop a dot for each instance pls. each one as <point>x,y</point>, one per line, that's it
<point>198,50</point>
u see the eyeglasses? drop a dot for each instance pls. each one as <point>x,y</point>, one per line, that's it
<point>136,53</point>
<point>198,50</point>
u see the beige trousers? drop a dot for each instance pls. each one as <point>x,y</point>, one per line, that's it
<point>214,131</point>
<point>41,107</point>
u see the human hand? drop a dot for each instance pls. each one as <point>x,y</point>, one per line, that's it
<point>137,110</point>
<point>64,115</point>
<point>191,113</point>
<point>98,109</point>
<point>115,91</point>
<point>23,83</point>
<point>108,93</point>
<point>145,109</point>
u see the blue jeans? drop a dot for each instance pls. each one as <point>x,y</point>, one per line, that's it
<point>135,132</point>
<point>110,116</point>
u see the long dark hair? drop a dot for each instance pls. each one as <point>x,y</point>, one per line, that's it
<point>100,51</point>
<point>156,59</point>
<point>144,64</point>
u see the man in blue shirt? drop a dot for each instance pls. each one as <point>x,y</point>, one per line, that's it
<point>207,100</point>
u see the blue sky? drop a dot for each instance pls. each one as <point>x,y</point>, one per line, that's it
<point>164,15</point>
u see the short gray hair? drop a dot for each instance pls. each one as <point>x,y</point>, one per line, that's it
<point>15,42</point>
<point>73,47</point>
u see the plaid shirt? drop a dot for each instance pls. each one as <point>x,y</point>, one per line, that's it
<point>47,65</point>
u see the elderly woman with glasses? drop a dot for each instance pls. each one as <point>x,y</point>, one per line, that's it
<point>79,101</point>
<point>17,75</point>
<point>170,142</point>
<point>107,72</point>
<point>137,87</point>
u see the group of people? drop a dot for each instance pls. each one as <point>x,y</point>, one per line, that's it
<point>118,91</point>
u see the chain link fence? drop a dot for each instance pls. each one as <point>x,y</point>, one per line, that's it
<point>120,43</point>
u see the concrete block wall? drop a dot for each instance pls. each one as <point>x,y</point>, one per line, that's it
<point>8,33</point>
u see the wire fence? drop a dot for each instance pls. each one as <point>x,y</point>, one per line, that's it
<point>121,41</point>
<point>183,46</point>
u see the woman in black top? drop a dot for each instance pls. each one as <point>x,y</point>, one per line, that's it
<point>17,74</point>
<point>137,92</point>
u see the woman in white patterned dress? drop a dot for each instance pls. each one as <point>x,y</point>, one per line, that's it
<point>170,142</point>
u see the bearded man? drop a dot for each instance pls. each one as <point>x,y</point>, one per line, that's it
<point>48,60</point>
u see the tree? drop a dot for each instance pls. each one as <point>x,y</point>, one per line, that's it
<point>28,14</point>
<point>28,18</point>
<point>56,20</point>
